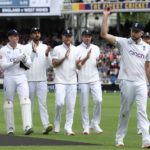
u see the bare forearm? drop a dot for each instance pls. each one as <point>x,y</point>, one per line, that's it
<point>84,60</point>
<point>57,62</point>
<point>104,26</point>
<point>81,62</point>
<point>148,77</point>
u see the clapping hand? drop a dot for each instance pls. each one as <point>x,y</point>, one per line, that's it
<point>34,47</point>
<point>19,58</point>
<point>47,50</point>
<point>24,58</point>
<point>88,54</point>
<point>67,54</point>
<point>79,63</point>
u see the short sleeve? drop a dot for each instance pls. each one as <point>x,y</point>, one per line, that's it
<point>120,43</point>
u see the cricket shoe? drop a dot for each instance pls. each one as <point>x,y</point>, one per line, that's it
<point>48,129</point>
<point>119,144</point>
<point>86,132</point>
<point>69,133</point>
<point>56,129</point>
<point>146,146</point>
<point>96,128</point>
<point>139,132</point>
<point>10,131</point>
<point>28,130</point>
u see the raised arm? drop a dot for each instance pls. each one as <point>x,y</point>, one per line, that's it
<point>104,28</point>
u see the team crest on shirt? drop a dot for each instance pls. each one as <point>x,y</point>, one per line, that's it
<point>144,48</point>
<point>1,56</point>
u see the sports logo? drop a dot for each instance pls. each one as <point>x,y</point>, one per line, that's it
<point>139,55</point>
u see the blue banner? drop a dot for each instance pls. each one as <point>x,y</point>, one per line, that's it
<point>14,3</point>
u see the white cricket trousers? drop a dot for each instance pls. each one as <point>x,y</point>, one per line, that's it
<point>39,89</point>
<point>65,93</point>
<point>95,88</point>
<point>11,85</point>
<point>16,83</point>
<point>130,91</point>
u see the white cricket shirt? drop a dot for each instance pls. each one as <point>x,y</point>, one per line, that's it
<point>8,55</point>
<point>133,58</point>
<point>66,72</point>
<point>40,62</point>
<point>88,72</point>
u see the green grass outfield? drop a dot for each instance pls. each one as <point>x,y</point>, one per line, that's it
<point>105,141</point>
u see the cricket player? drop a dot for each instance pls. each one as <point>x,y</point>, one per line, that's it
<point>134,67</point>
<point>146,38</point>
<point>11,56</point>
<point>64,63</point>
<point>36,75</point>
<point>88,79</point>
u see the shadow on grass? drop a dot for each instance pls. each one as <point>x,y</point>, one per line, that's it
<point>11,140</point>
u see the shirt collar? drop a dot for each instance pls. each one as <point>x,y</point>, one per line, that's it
<point>33,42</point>
<point>10,47</point>
<point>130,41</point>
<point>86,46</point>
<point>66,46</point>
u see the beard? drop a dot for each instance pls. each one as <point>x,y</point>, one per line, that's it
<point>36,39</point>
<point>135,38</point>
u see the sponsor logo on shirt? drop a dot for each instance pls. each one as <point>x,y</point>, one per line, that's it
<point>139,55</point>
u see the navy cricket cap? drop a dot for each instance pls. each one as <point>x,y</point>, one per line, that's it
<point>146,34</point>
<point>87,32</point>
<point>13,32</point>
<point>67,32</point>
<point>34,29</point>
<point>137,27</point>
